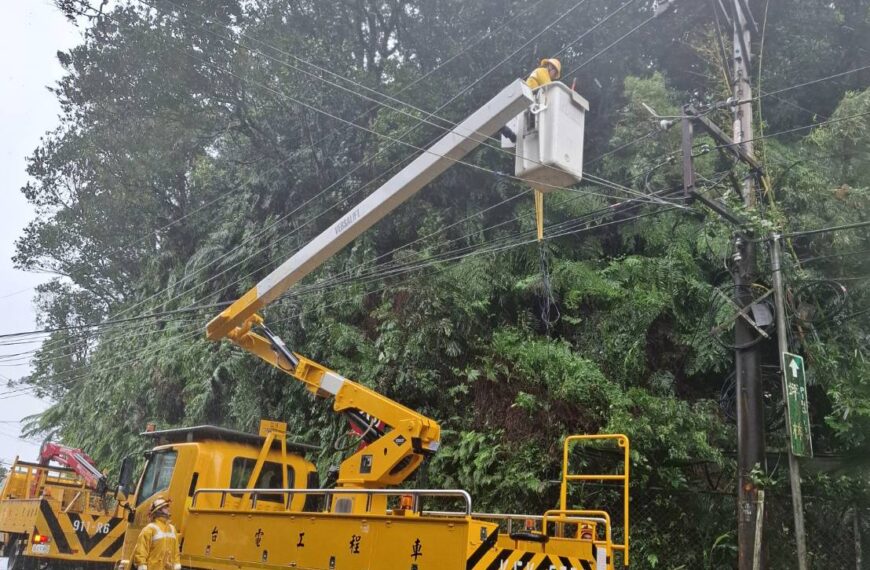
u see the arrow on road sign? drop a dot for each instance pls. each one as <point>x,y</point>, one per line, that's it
<point>795,392</point>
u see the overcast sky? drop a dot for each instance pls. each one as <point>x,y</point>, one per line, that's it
<point>34,30</point>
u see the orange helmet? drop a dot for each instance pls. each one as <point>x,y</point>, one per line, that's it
<point>555,63</point>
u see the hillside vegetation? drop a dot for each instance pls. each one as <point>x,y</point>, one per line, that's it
<point>202,143</point>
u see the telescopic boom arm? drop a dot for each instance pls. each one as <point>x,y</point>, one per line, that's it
<point>392,453</point>
<point>464,138</point>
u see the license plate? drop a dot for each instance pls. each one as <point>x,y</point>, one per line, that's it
<point>39,549</point>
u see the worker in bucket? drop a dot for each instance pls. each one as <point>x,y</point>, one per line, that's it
<point>157,545</point>
<point>550,70</point>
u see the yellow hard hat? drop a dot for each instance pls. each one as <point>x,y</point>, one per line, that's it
<point>555,63</point>
<point>159,504</point>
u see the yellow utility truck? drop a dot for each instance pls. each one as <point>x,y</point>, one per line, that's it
<point>59,517</point>
<point>246,501</point>
<point>367,520</point>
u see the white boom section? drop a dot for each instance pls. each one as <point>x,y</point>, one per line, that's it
<point>464,138</point>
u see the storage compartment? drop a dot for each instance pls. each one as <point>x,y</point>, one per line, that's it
<point>550,138</point>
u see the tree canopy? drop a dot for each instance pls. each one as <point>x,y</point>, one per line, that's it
<point>202,143</point>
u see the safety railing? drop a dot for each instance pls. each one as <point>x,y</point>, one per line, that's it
<point>417,496</point>
<point>27,480</point>
<point>568,477</point>
<point>510,518</point>
<point>570,516</point>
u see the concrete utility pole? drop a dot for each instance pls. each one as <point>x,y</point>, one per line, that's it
<point>794,472</point>
<point>750,410</point>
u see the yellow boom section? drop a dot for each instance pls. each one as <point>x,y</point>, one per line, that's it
<point>389,459</point>
<point>391,454</point>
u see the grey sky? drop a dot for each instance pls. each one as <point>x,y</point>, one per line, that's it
<point>32,32</point>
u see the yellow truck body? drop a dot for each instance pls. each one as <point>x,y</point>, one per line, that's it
<point>48,518</point>
<point>241,501</point>
<point>187,459</point>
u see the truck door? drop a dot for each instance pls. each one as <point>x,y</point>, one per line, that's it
<point>155,482</point>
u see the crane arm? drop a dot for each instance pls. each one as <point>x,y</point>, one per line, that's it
<point>75,459</point>
<point>394,451</point>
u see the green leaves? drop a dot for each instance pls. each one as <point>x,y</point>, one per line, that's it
<point>183,172</point>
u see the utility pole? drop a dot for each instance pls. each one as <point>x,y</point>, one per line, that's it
<point>751,552</point>
<point>750,410</point>
<point>794,473</point>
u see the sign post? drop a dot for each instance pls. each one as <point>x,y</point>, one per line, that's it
<point>798,410</point>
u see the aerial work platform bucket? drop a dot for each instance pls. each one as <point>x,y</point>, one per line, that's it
<point>549,151</point>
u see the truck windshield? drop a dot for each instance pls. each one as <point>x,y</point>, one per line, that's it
<point>158,474</point>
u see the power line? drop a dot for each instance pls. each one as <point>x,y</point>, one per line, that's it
<point>335,133</point>
<point>406,132</point>
<point>303,291</point>
<point>599,23</point>
<point>310,64</point>
<point>118,321</point>
<point>129,356</point>
<point>7,295</point>
<point>799,85</point>
<point>615,42</point>
<point>407,245</point>
<point>73,346</point>
<point>333,74</point>
<point>363,128</point>
<point>389,269</point>
<point>810,126</point>
<point>832,255</point>
<point>480,78</point>
<point>612,185</point>
<point>830,229</point>
<point>481,251</point>
<point>419,239</point>
<point>320,286</point>
<point>353,124</point>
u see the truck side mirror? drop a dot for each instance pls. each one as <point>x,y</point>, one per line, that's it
<point>125,478</point>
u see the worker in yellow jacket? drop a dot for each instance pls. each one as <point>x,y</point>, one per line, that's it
<point>157,545</point>
<point>549,71</point>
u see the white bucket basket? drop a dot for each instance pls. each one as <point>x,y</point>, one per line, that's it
<point>550,138</point>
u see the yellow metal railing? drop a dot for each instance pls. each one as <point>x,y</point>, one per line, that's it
<point>622,441</point>
<point>30,481</point>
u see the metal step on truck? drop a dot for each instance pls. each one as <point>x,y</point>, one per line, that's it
<point>59,517</point>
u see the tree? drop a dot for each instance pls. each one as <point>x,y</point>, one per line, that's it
<point>201,144</point>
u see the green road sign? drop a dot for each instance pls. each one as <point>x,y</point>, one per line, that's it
<point>798,410</point>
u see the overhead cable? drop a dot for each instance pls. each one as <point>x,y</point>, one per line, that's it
<point>333,133</point>
<point>827,230</point>
<point>613,187</point>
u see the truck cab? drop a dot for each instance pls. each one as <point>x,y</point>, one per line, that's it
<point>185,460</point>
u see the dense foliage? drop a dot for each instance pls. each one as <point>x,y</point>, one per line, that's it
<point>202,144</point>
